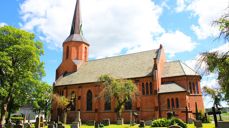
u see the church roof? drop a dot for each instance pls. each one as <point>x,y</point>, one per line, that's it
<point>177,68</point>
<point>170,87</point>
<point>125,66</point>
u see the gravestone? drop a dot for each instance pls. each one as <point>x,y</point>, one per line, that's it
<point>37,123</point>
<point>214,112</point>
<point>60,125</point>
<point>141,124</point>
<point>41,122</point>
<point>91,122</point>
<point>97,124</point>
<point>186,111</point>
<point>9,124</point>
<point>198,123</point>
<point>148,122</point>
<point>75,125</point>
<point>106,122</point>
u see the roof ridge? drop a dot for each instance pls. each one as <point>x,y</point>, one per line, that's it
<point>188,67</point>
<point>121,55</point>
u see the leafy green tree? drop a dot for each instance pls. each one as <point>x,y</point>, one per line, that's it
<point>119,89</point>
<point>215,94</point>
<point>41,98</point>
<point>217,61</point>
<point>20,66</point>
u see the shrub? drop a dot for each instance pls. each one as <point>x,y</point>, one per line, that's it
<point>161,123</point>
<point>177,121</point>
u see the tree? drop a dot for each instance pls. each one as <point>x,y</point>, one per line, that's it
<point>61,103</point>
<point>215,94</point>
<point>119,89</point>
<point>20,66</point>
<point>41,98</point>
<point>217,61</point>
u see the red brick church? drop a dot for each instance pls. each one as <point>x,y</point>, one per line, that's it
<point>164,87</point>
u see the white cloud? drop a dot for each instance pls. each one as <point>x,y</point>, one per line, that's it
<point>176,42</point>
<point>2,24</point>
<point>108,26</point>
<point>221,49</point>
<point>207,11</point>
<point>180,5</point>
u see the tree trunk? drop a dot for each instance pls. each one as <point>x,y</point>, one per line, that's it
<point>3,113</point>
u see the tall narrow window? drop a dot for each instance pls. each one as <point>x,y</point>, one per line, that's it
<point>177,103</point>
<point>147,88</point>
<point>168,103</point>
<point>89,100</point>
<point>143,89</point>
<point>173,105</point>
<point>67,52</point>
<point>150,88</point>
<point>85,53</point>
<point>197,88</point>
<point>190,87</point>
<point>128,104</point>
<point>193,87</point>
<point>107,103</point>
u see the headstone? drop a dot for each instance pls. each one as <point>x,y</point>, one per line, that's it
<point>9,124</point>
<point>186,111</point>
<point>97,125</point>
<point>75,125</point>
<point>106,122</point>
<point>60,125</point>
<point>120,121</point>
<point>91,122</point>
<point>37,123</point>
<point>148,122</point>
<point>198,123</point>
<point>141,124</point>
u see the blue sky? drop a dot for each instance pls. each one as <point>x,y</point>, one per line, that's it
<point>114,27</point>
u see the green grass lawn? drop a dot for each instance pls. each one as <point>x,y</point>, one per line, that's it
<point>225,117</point>
<point>207,125</point>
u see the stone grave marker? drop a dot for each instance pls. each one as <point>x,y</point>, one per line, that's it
<point>186,111</point>
<point>198,123</point>
<point>148,122</point>
<point>214,112</point>
<point>106,122</point>
<point>142,124</point>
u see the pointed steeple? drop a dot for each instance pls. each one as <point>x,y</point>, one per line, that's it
<point>76,21</point>
<point>76,28</point>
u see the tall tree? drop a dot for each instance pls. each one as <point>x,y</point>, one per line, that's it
<point>217,61</point>
<point>41,98</point>
<point>20,65</point>
<point>119,89</point>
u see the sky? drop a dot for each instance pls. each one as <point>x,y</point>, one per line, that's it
<point>115,27</point>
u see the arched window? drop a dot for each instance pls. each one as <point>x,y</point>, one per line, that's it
<point>150,88</point>
<point>147,88</point>
<point>193,87</point>
<point>67,52</point>
<point>85,53</point>
<point>173,105</point>
<point>128,104</point>
<point>143,89</point>
<point>177,103</point>
<point>89,100</point>
<point>168,103</point>
<point>190,87</point>
<point>197,88</point>
<point>107,103</point>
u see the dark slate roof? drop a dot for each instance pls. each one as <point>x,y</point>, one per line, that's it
<point>177,68</point>
<point>170,87</point>
<point>124,66</point>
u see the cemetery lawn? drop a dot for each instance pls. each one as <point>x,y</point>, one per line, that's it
<point>205,125</point>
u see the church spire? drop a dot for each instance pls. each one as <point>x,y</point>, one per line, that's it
<point>76,27</point>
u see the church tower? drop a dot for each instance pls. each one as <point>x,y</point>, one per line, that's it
<point>75,47</point>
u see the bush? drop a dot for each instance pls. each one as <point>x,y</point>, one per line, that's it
<point>161,123</point>
<point>168,122</point>
<point>178,122</point>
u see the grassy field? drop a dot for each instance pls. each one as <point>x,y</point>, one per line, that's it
<point>225,117</point>
<point>208,125</point>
